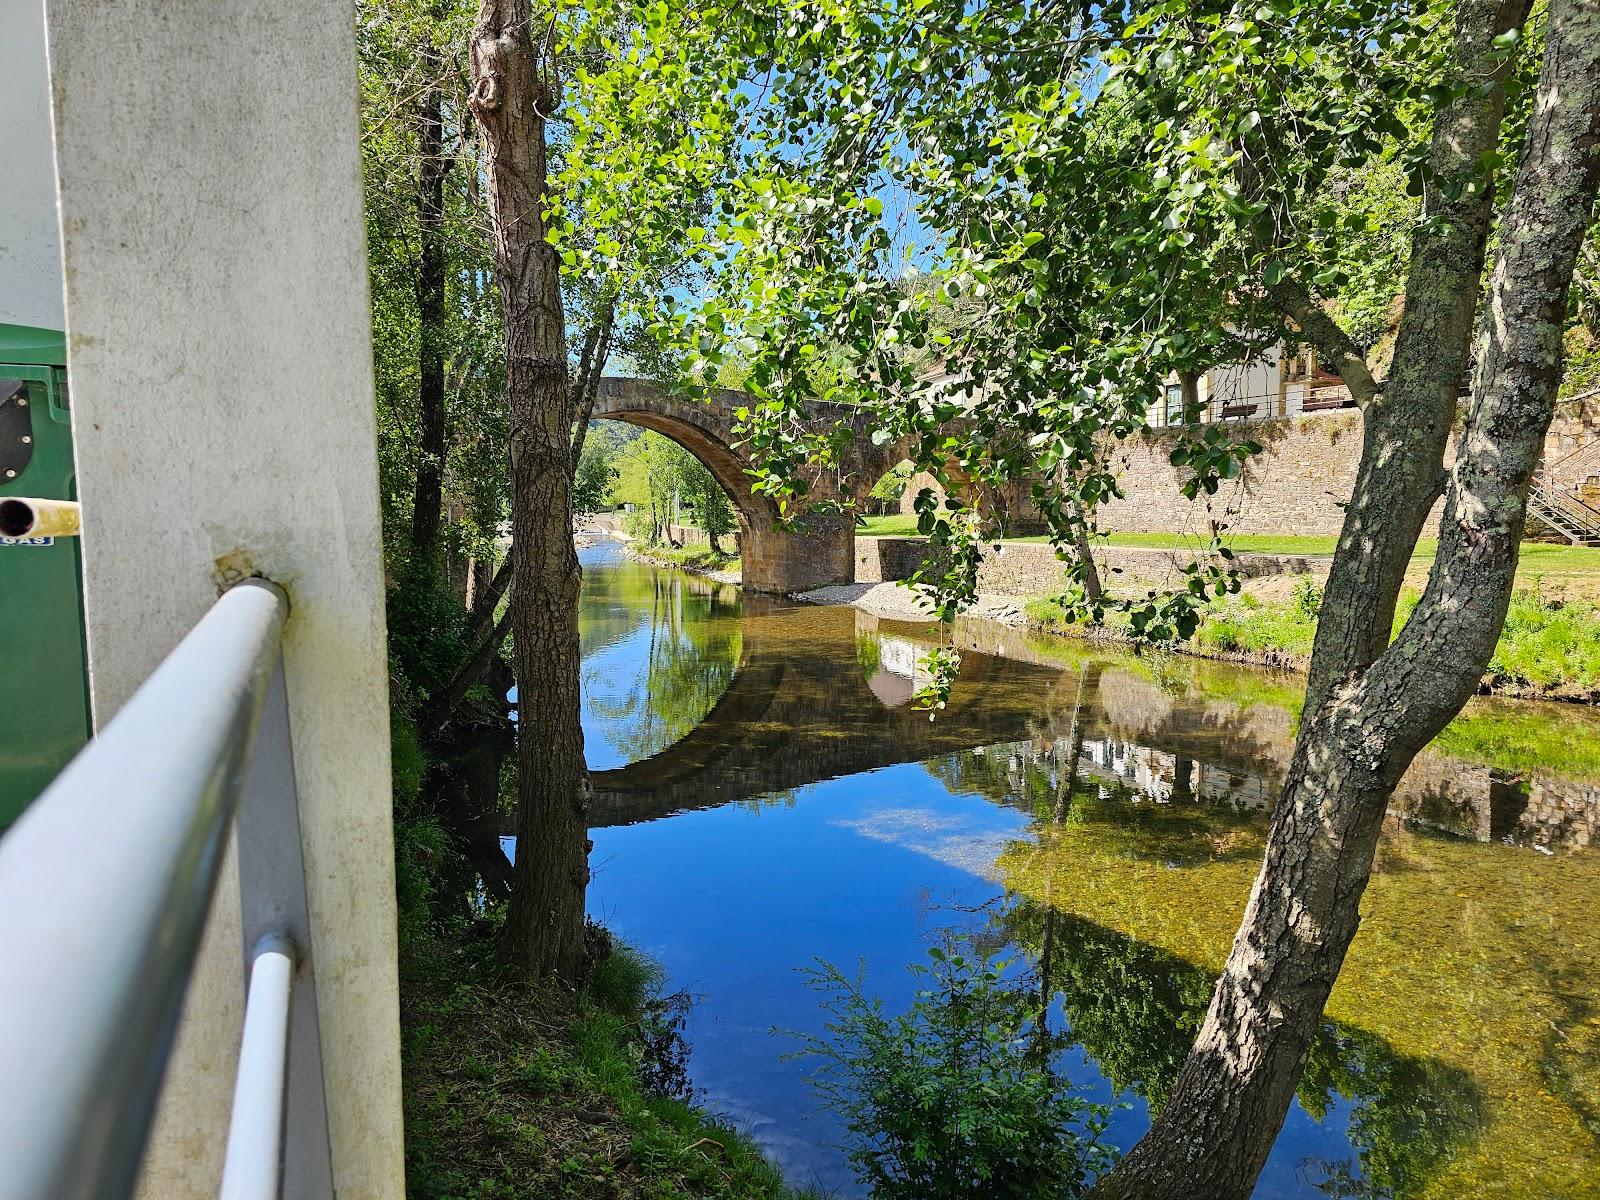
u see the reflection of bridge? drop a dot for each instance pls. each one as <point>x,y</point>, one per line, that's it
<point>825,692</point>
<point>807,706</point>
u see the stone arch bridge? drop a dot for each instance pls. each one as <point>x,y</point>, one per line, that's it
<point>820,547</point>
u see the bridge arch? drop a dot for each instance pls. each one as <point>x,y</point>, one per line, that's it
<point>820,551</point>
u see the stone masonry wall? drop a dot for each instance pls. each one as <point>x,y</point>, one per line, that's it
<point>1298,484</point>
<point>1032,569</point>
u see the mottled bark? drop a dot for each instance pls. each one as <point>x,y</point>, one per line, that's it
<point>511,99</point>
<point>433,165</point>
<point>1402,462</point>
<point>1230,1099</point>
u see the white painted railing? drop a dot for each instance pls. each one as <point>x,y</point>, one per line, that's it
<point>105,886</point>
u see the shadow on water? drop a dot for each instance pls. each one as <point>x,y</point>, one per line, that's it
<point>1107,813</point>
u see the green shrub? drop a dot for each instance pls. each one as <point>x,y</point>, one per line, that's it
<point>955,1098</point>
<point>625,979</point>
<point>1549,645</point>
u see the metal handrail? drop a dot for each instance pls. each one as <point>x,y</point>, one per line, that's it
<point>250,1168</point>
<point>1588,455</point>
<point>105,885</point>
<point>1567,499</point>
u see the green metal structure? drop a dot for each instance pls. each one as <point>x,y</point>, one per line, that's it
<point>44,696</point>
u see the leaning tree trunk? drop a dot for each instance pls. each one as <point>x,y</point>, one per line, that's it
<point>512,95</point>
<point>1390,501</point>
<point>591,365</point>
<point>1230,1099</point>
<point>433,165</point>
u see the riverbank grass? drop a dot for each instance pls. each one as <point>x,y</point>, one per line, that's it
<point>1548,648</point>
<point>514,1093</point>
<point>1554,569</point>
<point>694,558</point>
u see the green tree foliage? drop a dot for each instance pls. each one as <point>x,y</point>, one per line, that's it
<point>646,475</point>
<point>665,483</point>
<point>593,479</point>
<point>956,1097</point>
<point>700,490</point>
<point>1065,209</point>
<point>648,137</point>
<point>394,71</point>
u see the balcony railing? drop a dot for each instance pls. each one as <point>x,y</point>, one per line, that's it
<point>106,884</point>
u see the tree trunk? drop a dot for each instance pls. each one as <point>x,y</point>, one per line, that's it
<point>512,94</point>
<point>591,366</point>
<point>433,165</point>
<point>443,703</point>
<point>1189,396</point>
<point>1092,588</point>
<point>1391,499</point>
<point>1233,1092</point>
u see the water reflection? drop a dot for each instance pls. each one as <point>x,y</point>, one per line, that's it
<point>659,650</point>
<point>1106,814</point>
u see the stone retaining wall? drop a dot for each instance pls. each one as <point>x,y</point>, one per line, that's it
<point>1031,568</point>
<point>1298,484</point>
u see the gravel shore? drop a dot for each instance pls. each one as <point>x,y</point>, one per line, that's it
<point>902,603</point>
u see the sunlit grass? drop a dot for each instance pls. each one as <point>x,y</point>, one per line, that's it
<point>694,558</point>
<point>1539,560</point>
<point>1546,646</point>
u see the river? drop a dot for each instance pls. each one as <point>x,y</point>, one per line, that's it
<point>767,798</point>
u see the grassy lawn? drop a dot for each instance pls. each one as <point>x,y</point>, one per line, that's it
<point>893,525</point>
<point>1546,649</point>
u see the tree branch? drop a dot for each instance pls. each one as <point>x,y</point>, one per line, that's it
<point>483,608</point>
<point>442,706</point>
<point>596,349</point>
<point>1337,348</point>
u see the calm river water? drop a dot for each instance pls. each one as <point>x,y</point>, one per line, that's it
<point>765,798</point>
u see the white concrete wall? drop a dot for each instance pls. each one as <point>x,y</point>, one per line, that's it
<point>1255,382</point>
<point>220,366</point>
<point>30,235</point>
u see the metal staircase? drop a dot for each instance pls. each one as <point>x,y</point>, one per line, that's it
<point>1565,509</point>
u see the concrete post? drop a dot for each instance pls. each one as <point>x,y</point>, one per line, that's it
<point>30,238</point>
<point>220,371</point>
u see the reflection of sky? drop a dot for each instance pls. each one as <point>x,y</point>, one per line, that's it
<point>613,682</point>
<point>868,870</point>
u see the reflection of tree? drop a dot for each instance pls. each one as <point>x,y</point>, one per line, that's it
<point>1135,1009</point>
<point>691,656</point>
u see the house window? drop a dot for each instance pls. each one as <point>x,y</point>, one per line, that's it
<point>1174,404</point>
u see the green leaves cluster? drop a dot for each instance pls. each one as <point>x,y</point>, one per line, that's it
<point>955,1097</point>
<point>405,48</point>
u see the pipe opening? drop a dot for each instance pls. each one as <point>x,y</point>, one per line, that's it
<point>16,518</point>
